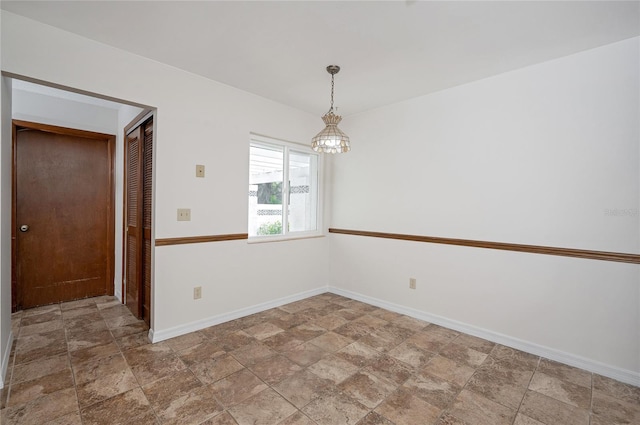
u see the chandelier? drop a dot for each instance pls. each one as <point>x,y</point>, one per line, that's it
<point>331,139</point>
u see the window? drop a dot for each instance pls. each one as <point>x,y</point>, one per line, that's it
<point>283,189</point>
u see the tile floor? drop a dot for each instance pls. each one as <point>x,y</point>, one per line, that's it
<point>326,360</point>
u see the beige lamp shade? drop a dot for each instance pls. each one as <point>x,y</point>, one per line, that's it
<point>331,139</point>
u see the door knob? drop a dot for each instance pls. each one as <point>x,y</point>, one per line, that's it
<point>24,228</point>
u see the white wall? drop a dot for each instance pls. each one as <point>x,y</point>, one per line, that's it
<point>198,121</point>
<point>36,107</point>
<point>534,156</point>
<point>6,337</point>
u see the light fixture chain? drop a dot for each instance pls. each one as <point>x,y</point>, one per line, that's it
<point>331,109</point>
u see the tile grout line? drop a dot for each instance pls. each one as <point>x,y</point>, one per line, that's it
<point>527,388</point>
<point>121,351</point>
<point>73,375</point>
<point>445,411</point>
<point>175,352</point>
<point>413,374</point>
<point>254,374</point>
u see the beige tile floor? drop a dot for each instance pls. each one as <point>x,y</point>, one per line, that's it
<point>326,360</point>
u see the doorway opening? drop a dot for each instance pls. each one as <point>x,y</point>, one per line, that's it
<point>49,106</point>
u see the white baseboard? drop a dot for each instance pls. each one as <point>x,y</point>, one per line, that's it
<point>619,374</point>
<point>164,334</point>
<point>5,361</point>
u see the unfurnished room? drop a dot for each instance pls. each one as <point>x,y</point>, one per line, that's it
<point>320,212</point>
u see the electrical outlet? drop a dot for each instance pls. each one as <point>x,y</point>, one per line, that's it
<point>199,170</point>
<point>184,214</point>
<point>412,283</point>
<point>197,292</point>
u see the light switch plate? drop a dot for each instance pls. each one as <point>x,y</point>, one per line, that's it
<point>412,283</point>
<point>184,214</point>
<point>199,170</point>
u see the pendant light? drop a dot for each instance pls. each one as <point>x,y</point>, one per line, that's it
<point>331,139</point>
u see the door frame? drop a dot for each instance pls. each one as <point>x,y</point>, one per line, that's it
<point>111,142</point>
<point>140,119</point>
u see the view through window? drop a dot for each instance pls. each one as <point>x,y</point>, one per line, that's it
<point>283,189</point>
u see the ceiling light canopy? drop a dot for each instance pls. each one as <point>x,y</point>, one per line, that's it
<point>331,139</point>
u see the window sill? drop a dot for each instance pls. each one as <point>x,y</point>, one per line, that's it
<point>265,239</point>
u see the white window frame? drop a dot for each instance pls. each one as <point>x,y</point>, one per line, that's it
<point>270,142</point>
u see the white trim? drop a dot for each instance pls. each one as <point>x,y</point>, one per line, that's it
<point>264,239</point>
<point>619,374</point>
<point>622,375</point>
<point>150,114</point>
<point>263,139</point>
<point>225,317</point>
<point>51,91</point>
<point>117,291</point>
<point>260,140</point>
<point>5,360</point>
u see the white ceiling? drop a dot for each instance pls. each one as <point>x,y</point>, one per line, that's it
<point>388,50</point>
<point>53,92</point>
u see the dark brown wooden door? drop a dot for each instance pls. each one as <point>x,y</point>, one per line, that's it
<point>147,171</point>
<point>63,222</point>
<point>138,200</point>
<point>133,297</point>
